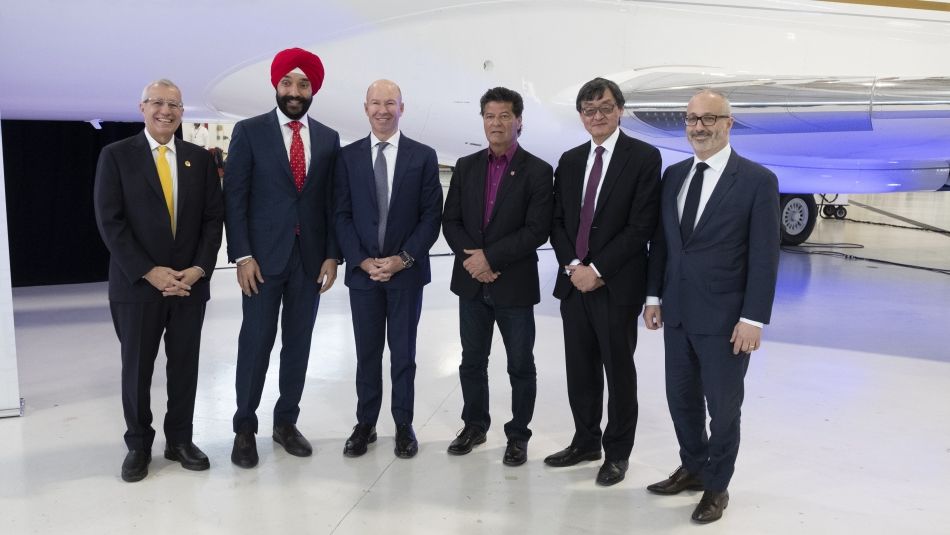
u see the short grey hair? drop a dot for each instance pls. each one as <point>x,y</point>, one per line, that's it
<point>719,94</point>
<point>162,82</point>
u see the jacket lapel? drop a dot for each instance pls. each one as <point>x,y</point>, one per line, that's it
<point>404,155</point>
<point>612,174</point>
<point>280,151</point>
<point>512,174</point>
<point>726,181</point>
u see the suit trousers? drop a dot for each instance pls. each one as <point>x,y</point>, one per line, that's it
<point>599,339</point>
<point>477,318</point>
<point>300,296</point>
<point>385,314</point>
<point>702,372</point>
<point>139,327</point>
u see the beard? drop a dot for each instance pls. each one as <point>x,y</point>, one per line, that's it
<point>284,101</point>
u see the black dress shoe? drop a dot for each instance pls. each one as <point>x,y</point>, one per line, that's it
<point>135,465</point>
<point>293,442</point>
<point>362,435</point>
<point>570,456</point>
<point>678,481</point>
<point>516,454</point>
<point>711,506</point>
<point>612,472</point>
<point>190,457</point>
<point>468,438</point>
<point>406,444</point>
<point>244,453</point>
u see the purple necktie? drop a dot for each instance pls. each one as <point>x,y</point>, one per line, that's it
<point>590,202</point>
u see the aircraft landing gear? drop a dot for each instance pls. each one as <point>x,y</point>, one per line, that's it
<point>833,206</point>
<point>798,215</point>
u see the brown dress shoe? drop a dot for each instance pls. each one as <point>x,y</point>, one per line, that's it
<point>678,481</point>
<point>711,506</point>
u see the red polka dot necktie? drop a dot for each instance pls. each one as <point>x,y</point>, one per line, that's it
<point>298,161</point>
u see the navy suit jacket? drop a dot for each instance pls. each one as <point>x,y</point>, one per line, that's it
<point>263,206</point>
<point>415,211</point>
<point>519,224</point>
<point>728,267</point>
<point>624,219</point>
<point>134,223</point>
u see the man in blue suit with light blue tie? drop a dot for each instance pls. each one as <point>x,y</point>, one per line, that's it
<point>278,199</point>
<point>713,262</point>
<point>388,212</point>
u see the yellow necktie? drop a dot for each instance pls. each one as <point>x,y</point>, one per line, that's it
<point>165,176</point>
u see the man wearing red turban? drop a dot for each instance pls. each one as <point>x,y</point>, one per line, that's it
<point>278,192</point>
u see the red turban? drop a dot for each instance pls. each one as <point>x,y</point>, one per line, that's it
<point>292,58</point>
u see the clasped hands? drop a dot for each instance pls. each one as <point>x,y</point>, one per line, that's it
<point>584,278</point>
<point>172,282</point>
<point>382,269</point>
<point>478,267</point>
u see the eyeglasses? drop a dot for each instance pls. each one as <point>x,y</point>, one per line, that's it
<point>157,103</point>
<point>605,110</point>
<point>707,120</point>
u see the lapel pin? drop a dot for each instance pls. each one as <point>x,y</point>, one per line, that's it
<point>187,163</point>
<point>512,173</point>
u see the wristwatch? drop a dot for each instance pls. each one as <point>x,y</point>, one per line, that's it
<point>407,261</point>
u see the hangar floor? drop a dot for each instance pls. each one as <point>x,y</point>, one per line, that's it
<point>846,425</point>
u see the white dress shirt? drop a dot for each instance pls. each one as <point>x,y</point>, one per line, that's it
<point>288,134</point>
<point>389,153</point>
<point>172,164</point>
<point>608,146</point>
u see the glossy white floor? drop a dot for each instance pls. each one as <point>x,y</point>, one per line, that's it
<point>846,425</point>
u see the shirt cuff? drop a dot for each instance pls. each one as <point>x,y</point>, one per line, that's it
<point>652,300</point>
<point>592,266</point>
<point>750,322</point>
<point>573,263</point>
<point>203,274</point>
<point>239,260</point>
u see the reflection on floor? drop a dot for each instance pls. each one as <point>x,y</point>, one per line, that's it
<point>846,425</point>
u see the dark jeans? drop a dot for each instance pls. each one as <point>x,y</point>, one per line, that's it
<point>476,325</point>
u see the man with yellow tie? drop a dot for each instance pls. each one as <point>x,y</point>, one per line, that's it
<point>160,212</point>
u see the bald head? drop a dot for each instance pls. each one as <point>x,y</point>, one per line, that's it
<point>383,108</point>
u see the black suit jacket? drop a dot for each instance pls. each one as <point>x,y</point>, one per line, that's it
<point>728,267</point>
<point>134,223</point>
<point>263,204</point>
<point>415,210</point>
<point>520,223</point>
<point>624,218</point>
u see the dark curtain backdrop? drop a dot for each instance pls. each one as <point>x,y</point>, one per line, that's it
<point>50,167</point>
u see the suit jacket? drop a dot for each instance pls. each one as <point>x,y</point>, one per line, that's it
<point>624,219</point>
<point>519,224</point>
<point>728,267</point>
<point>415,211</point>
<point>263,206</point>
<point>134,223</point>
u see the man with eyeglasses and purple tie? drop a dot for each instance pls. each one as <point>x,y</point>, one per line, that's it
<point>159,210</point>
<point>713,262</point>
<point>606,201</point>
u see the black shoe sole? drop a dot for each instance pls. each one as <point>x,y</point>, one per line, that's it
<point>243,463</point>
<point>593,456</point>
<point>294,452</point>
<point>480,440</point>
<point>132,478</point>
<point>667,492</point>
<point>518,463</point>
<point>408,454</point>
<point>196,467</point>
<point>610,483</point>
<point>359,453</point>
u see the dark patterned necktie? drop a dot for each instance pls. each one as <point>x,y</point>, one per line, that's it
<point>590,202</point>
<point>688,221</point>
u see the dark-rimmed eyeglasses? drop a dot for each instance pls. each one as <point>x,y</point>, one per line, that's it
<point>174,105</point>
<point>707,120</point>
<point>605,110</point>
